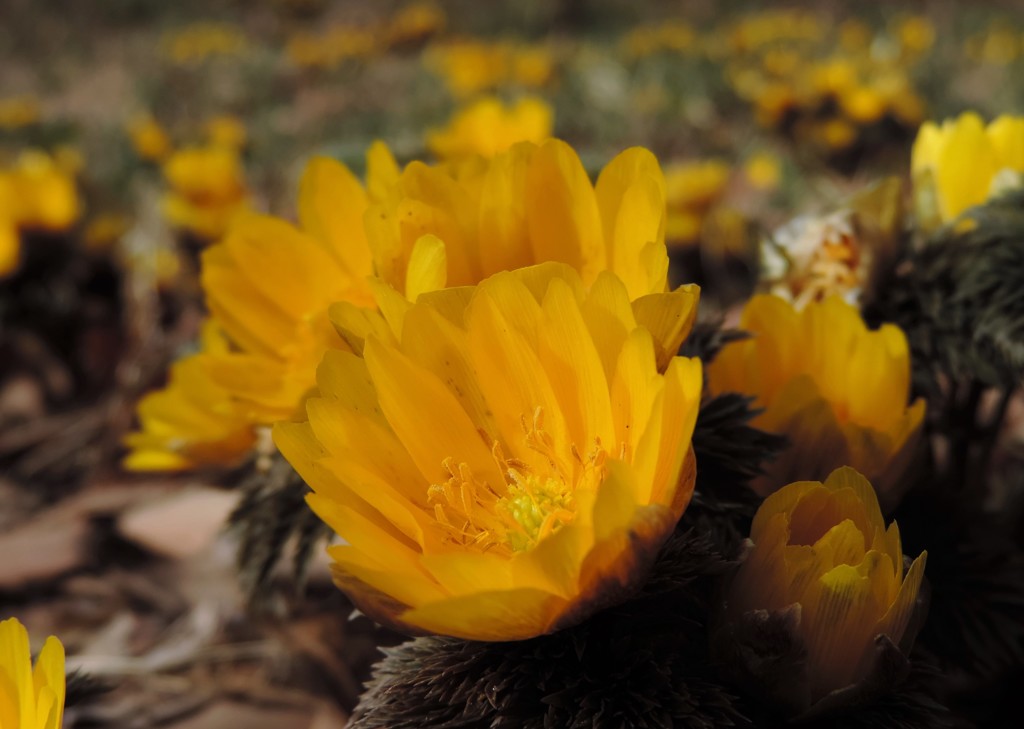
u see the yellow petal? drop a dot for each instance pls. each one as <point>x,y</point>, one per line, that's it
<point>331,208</point>
<point>410,396</point>
<point>428,267</point>
<point>562,213</point>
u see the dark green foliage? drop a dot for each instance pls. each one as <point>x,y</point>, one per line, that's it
<point>81,689</point>
<point>707,338</point>
<point>642,664</point>
<point>976,577</point>
<point>730,452</point>
<point>960,299</point>
<point>271,515</point>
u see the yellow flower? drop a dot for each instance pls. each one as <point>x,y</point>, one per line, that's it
<point>208,191</point>
<point>502,459</point>
<point>863,104</point>
<point>823,549</point>
<point>192,421</point>
<point>41,194</point>
<point>149,139</point>
<point>487,127</point>
<point>269,285</point>
<point>916,33</point>
<point>30,697</point>
<point>226,130</point>
<point>415,22</point>
<point>763,171</point>
<point>528,205</point>
<point>836,390</point>
<point>691,188</point>
<point>963,162</point>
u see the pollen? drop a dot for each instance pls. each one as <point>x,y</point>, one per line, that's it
<point>532,503</point>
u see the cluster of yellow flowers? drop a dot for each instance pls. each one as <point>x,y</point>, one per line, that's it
<point>37,192</point>
<point>331,47</point>
<point>473,365</point>
<point>696,193</point>
<point>207,183</point>
<point>824,87</point>
<point>998,45</point>
<point>200,42</point>
<point>470,67</point>
<point>675,36</point>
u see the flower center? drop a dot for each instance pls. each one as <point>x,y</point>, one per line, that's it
<point>532,503</point>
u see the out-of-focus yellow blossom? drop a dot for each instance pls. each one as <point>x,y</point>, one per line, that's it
<point>487,127</point>
<point>332,47</point>
<point>207,190</point>
<point>863,104</point>
<point>756,30</point>
<point>691,188</point>
<point>675,36</point>
<point>854,35</point>
<point>31,697</point>
<point>414,23</point>
<point>10,242</point>
<point>504,460</point>
<point>835,134</point>
<point>763,171</point>
<point>471,67</point>
<point>457,224</point>
<point>199,42</point>
<point>773,103</point>
<point>17,112</point>
<point>998,46</point>
<point>192,421</point>
<point>916,33</point>
<point>149,139</point>
<point>963,162</point>
<point>837,390</point>
<point>104,230</point>
<point>226,130</point>
<point>40,193</point>
<point>823,548</point>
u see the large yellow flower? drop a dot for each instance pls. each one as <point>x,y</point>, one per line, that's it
<point>30,698</point>
<point>528,205</point>
<point>963,162</point>
<point>487,126</point>
<point>824,548</point>
<point>503,459</point>
<point>192,421</point>
<point>837,390</point>
<point>269,284</point>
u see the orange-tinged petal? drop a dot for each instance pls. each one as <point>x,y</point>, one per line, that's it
<point>562,213</point>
